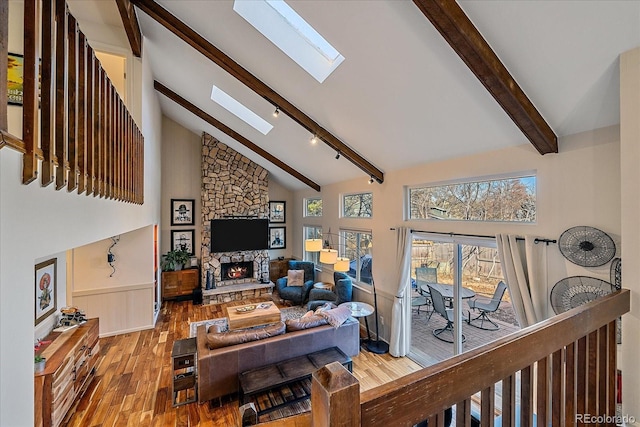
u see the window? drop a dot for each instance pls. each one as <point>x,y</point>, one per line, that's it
<point>356,245</point>
<point>313,207</point>
<point>508,199</point>
<point>311,232</point>
<point>359,205</point>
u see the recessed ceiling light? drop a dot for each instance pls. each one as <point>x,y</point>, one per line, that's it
<point>279,23</point>
<point>233,106</point>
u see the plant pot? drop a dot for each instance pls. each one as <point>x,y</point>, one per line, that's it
<point>177,267</point>
<point>39,366</point>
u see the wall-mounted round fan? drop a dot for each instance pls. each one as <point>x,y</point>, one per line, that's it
<point>616,273</point>
<point>587,246</point>
<point>571,292</point>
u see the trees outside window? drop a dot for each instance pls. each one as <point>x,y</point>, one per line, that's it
<point>359,205</point>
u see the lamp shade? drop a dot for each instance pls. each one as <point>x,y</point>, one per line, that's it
<point>342,264</point>
<point>313,245</point>
<point>328,256</point>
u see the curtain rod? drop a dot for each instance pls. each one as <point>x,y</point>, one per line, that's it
<point>536,240</point>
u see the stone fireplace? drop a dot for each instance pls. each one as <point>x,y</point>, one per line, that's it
<point>232,185</point>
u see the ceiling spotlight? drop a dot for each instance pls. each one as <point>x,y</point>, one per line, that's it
<point>276,113</point>
<point>314,139</point>
<point>371,180</point>
<point>337,155</point>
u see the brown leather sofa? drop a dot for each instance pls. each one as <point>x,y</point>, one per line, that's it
<point>218,369</point>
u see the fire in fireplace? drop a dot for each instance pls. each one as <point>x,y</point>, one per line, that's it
<point>236,270</point>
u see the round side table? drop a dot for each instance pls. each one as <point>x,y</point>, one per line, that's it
<point>323,285</point>
<point>360,309</point>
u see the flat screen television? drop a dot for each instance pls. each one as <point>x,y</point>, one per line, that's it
<point>239,234</point>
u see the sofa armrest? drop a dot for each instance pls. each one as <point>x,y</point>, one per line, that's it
<point>322,295</point>
<point>281,283</point>
<point>306,287</point>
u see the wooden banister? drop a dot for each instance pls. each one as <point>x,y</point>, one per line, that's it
<point>568,368</point>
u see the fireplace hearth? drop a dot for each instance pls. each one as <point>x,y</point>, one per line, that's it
<point>236,270</point>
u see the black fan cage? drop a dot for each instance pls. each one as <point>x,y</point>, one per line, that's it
<point>574,291</point>
<point>587,246</point>
<point>616,273</point>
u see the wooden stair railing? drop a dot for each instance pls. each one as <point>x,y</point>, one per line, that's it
<point>557,372</point>
<point>74,121</point>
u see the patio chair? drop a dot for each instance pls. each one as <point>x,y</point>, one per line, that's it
<point>447,313</point>
<point>424,276</point>
<point>485,306</point>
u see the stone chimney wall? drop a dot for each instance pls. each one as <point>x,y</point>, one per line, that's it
<point>232,185</point>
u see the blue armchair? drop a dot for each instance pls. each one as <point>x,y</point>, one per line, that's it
<point>297,294</point>
<point>342,292</point>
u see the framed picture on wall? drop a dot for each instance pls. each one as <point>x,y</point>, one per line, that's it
<point>15,73</point>
<point>277,212</point>
<point>183,239</point>
<point>45,289</point>
<point>182,211</point>
<point>277,238</point>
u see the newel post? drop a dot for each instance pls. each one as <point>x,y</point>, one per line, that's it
<point>335,397</point>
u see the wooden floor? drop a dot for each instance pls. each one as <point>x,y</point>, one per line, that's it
<point>133,380</point>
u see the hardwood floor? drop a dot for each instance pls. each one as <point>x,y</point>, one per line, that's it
<point>133,380</point>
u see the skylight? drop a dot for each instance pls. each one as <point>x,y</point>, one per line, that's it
<point>226,101</point>
<point>278,22</point>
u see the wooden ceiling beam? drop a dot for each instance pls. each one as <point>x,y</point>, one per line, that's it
<point>233,134</point>
<point>465,39</point>
<point>202,45</point>
<point>131,27</point>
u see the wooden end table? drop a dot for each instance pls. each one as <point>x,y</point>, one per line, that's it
<point>183,361</point>
<point>239,319</point>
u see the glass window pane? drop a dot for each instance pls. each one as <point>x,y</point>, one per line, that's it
<point>357,205</point>
<point>313,207</point>
<point>311,232</point>
<point>358,248</point>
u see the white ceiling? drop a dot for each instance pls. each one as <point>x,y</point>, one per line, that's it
<point>402,97</point>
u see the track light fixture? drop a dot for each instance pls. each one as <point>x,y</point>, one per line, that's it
<point>337,155</point>
<point>371,180</point>
<point>276,113</point>
<point>314,139</point>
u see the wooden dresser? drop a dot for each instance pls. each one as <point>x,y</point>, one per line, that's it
<point>278,268</point>
<point>71,357</point>
<point>179,283</point>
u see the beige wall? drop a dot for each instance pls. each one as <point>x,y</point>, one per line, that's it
<point>578,186</point>
<point>37,223</point>
<point>279,193</point>
<point>630,178</point>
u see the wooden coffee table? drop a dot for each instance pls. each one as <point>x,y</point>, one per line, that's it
<point>259,316</point>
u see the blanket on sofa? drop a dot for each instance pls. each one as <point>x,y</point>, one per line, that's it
<point>285,313</point>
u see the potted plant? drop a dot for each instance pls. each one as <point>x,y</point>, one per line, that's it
<point>175,259</point>
<point>39,363</point>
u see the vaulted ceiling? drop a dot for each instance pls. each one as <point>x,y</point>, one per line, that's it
<point>402,97</point>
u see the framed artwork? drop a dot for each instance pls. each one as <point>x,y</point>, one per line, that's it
<point>277,212</point>
<point>15,73</point>
<point>45,289</point>
<point>183,239</point>
<point>182,211</point>
<point>277,238</point>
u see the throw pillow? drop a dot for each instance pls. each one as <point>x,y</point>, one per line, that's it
<point>295,277</point>
<point>305,322</point>
<point>326,306</point>
<point>308,313</point>
<point>225,339</point>
<point>336,316</point>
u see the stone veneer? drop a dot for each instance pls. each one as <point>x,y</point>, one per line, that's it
<point>232,185</point>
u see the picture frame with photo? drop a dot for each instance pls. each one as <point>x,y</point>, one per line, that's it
<point>182,211</point>
<point>15,78</point>
<point>45,289</point>
<point>183,239</point>
<point>277,212</point>
<point>277,237</point>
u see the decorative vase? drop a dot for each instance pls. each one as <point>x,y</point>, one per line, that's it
<point>39,366</point>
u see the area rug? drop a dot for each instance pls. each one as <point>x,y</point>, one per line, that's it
<point>285,313</point>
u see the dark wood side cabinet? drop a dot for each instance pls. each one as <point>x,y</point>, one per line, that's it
<point>185,375</point>
<point>72,357</point>
<point>278,268</point>
<point>179,283</point>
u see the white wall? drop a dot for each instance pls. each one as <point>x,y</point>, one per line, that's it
<point>578,186</point>
<point>37,222</point>
<point>44,327</point>
<point>630,178</point>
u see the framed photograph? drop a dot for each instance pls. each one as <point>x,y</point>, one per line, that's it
<point>15,73</point>
<point>183,239</point>
<point>182,211</point>
<point>45,288</point>
<point>277,238</point>
<point>277,212</point>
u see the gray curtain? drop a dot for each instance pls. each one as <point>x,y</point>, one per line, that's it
<point>400,342</point>
<point>524,265</point>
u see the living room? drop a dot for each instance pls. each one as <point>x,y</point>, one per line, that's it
<point>582,184</point>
